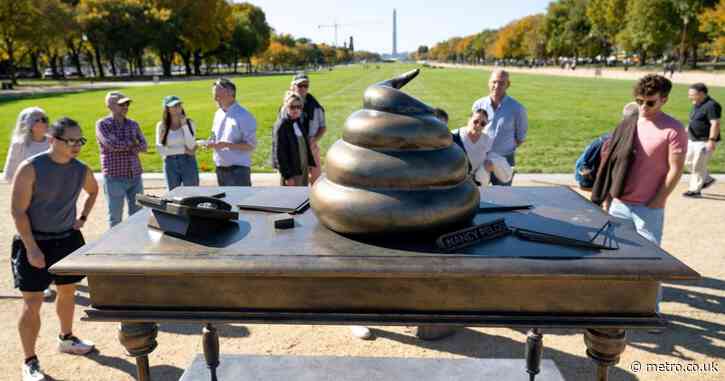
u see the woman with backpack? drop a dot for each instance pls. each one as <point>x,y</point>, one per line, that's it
<point>176,145</point>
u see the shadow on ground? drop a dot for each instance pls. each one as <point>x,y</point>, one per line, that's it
<point>471,343</point>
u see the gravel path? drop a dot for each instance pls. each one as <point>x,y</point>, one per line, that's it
<point>693,233</point>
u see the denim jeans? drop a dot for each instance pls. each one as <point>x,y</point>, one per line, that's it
<point>181,170</point>
<point>235,175</point>
<point>647,221</point>
<point>511,159</point>
<point>118,188</point>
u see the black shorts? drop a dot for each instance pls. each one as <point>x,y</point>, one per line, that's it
<point>32,279</point>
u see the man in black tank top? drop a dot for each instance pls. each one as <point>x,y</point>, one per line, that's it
<point>44,197</point>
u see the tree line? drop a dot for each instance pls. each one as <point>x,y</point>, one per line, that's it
<point>139,33</point>
<point>684,30</point>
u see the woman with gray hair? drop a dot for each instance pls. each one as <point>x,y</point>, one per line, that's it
<point>28,139</point>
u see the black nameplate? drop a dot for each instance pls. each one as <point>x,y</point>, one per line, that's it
<point>473,235</point>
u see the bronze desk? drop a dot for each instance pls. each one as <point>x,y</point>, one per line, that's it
<point>310,275</point>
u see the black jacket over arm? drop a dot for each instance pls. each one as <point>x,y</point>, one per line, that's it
<point>617,156</point>
<point>285,150</point>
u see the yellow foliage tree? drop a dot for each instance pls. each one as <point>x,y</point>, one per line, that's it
<point>712,22</point>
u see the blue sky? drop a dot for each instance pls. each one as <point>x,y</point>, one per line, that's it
<point>421,22</point>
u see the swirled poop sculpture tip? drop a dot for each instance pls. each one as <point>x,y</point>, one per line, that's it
<point>395,170</point>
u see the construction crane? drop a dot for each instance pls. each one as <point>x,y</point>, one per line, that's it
<point>337,26</point>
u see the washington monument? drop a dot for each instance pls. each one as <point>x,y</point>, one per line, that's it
<point>395,33</point>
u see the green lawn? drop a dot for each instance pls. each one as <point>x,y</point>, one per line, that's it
<point>565,114</point>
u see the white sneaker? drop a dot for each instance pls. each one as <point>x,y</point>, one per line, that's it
<point>361,332</point>
<point>32,372</point>
<point>75,346</point>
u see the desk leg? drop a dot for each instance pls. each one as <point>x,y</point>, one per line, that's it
<point>534,350</point>
<point>139,339</point>
<point>604,347</point>
<point>210,341</point>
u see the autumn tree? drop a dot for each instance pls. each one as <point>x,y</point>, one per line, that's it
<point>15,30</point>
<point>251,33</point>
<point>690,35</point>
<point>712,23</point>
<point>607,18</point>
<point>567,29</point>
<point>648,28</point>
<point>520,39</point>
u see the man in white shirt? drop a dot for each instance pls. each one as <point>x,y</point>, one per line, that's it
<point>233,137</point>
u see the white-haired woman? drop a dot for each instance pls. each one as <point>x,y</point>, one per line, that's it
<point>28,139</point>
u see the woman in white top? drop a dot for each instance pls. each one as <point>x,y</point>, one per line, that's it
<point>176,145</point>
<point>28,139</point>
<point>476,142</point>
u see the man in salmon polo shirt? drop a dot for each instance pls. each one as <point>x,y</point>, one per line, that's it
<point>660,147</point>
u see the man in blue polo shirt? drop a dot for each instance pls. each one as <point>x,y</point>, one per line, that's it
<point>704,135</point>
<point>508,118</point>
<point>233,137</point>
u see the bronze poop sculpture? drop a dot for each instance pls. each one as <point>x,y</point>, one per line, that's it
<point>395,170</point>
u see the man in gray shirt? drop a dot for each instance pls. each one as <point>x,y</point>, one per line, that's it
<point>44,201</point>
<point>233,137</point>
<point>508,118</point>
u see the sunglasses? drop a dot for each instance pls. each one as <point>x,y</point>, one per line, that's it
<point>73,142</point>
<point>649,103</point>
<point>295,107</point>
<point>43,119</point>
<point>303,85</point>
<point>478,121</point>
<point>225,83</point>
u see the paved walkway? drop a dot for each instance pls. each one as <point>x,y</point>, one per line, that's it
<point>696,335</point>
<point>685,77</point>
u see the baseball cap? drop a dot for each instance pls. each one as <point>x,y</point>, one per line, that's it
<point>171,101</point>
<point>116,97</point>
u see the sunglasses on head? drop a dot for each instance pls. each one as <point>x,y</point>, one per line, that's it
<point>649,103</point>
<point>73,142</point>
<point>225,83</point>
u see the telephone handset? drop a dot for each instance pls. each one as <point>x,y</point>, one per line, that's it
<point>202,202</point>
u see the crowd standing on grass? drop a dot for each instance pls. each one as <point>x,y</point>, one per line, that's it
<point>637,167</point>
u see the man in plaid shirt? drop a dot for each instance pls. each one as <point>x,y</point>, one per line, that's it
<point>120,140</point>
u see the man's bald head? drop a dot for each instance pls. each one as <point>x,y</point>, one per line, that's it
<point>498,84</point>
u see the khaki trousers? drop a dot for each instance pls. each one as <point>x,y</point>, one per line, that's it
<point>696,161</point>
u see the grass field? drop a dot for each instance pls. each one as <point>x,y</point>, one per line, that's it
<point>565,113</point>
